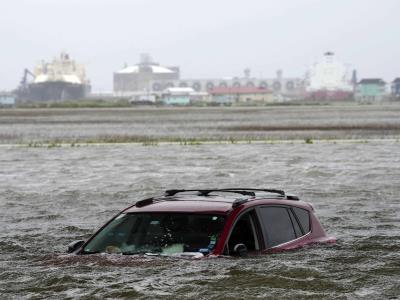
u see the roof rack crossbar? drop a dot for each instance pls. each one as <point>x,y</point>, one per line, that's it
<point>274,191</point>
<point>206,192</point>
<point>243,191</point>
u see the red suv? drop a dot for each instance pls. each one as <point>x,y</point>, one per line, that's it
<point>197,223</point>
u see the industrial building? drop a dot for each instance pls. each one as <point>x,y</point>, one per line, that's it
<point>61,79</point>
<point>278,85</point>
<point>287,86</point>
<point>146,76</point>
<point>244,94</point>
<point>150,77</point>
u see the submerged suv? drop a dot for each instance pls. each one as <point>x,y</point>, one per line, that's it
<point>197,223</point>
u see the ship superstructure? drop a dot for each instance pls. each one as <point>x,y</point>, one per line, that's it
<point>329,74</point>
<point>329,79</point>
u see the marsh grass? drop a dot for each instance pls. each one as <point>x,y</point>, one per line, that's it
<point>88,103</point>
<point>308,141</point>
<point>53,145</point>
<point>34,144</point>
<point>190,142</point>
<point>150,143</point>
<point>194,126</point>
<point>313,127</point>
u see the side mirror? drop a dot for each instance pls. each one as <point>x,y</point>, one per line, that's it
<point>240,250</point>
<point>75,245</point>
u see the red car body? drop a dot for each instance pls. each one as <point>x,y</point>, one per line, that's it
<point>252,204</point>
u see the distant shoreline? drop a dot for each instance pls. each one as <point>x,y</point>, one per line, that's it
<point>125,104</point>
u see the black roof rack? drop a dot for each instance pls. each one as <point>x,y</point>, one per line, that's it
<point>144,202</point>
<point>242,191</point>
<point>238,202</point>
<point>205,192</point>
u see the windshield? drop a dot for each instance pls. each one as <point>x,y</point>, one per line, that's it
<point>164,233</point>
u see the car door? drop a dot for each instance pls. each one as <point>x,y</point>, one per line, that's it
<point>245,230</point>
<point>279,225</point>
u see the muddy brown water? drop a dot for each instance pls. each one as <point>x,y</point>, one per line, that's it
<point>51,196</point>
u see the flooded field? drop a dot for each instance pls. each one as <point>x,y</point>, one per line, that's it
<point>51,196</point>
<point>200,124</point>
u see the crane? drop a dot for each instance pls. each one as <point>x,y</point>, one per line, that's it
<point>24,80</point>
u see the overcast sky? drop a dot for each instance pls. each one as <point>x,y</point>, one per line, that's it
<point>208,38</point>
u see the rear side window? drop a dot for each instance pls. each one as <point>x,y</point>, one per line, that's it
<point>277,224</point>
<point>296,226</point>
<point>304,218</point>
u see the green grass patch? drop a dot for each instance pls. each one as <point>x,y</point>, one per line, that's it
<point>308,141</point>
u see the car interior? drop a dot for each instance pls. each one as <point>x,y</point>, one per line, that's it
<point>244,232</point>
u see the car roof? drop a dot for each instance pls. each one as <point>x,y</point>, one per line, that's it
<point>180,204</point>
<point>220,201</point>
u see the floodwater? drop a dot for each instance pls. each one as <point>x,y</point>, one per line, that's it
<point>51,196</point>
<point>172,124</point>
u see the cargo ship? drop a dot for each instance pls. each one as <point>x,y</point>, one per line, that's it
<point>60,80</point>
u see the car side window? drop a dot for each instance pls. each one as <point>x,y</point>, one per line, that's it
<point>244,232</point>
<point>295,224</point>
<point>304,218</point>
<point>278,228</point>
